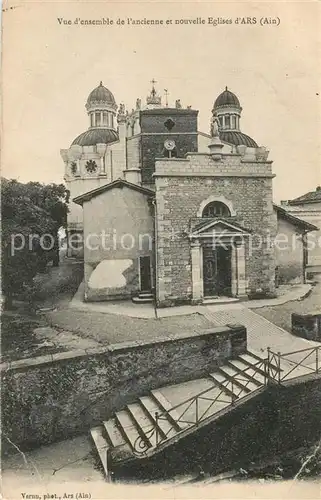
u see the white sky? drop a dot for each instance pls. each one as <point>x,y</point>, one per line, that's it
<point>49,70</point>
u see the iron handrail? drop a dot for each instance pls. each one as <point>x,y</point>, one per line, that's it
<point>300,350</point>
<point>272,372</point>
<point>285,356</point>
<point>261,362</point>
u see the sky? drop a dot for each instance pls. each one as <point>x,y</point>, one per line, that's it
<point>50,68</point>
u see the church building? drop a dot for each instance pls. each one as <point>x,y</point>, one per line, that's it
<point>163,210</point>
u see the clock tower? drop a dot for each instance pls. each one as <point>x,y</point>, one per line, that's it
<point>165,131</point>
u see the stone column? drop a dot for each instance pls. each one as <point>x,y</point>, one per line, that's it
<point>234,288</point>
<point>197,274</point>
<point>241,276</point>
<point>239,281</point>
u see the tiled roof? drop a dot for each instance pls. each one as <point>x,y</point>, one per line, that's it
<point>119,183</point>
<point>237,138</point>
<point>284,214</point>
<point>96,136</point>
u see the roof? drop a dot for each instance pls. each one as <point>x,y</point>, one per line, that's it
<point>169,111</point>
<point>101,94</point>
<point>237,138</point>
<point>201,224</point>
<point>119,183</point>
<point>302,224</point>
<point>227,98</point>
<point>96,136</point>
<point>310,197</point>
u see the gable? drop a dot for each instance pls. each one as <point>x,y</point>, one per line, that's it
<point>214,226</point>
<point>118,184</point>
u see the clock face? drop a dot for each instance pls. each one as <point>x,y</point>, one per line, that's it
<point>169,144</point>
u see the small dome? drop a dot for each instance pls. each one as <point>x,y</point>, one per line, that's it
<point>101,95</point>
<point>237,138</point>
<point>96,136</point>
<point>227,98</point>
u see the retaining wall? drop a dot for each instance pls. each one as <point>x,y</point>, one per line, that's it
<point>57,396</point>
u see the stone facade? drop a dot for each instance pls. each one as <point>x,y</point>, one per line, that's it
<point>182,187</point>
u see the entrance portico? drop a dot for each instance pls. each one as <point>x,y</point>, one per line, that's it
<point>218,259</point>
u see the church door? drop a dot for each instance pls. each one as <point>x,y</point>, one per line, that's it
<point>216,271</point>
<point>145,274</point>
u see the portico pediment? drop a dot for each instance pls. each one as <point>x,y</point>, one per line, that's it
<point>209,228</point>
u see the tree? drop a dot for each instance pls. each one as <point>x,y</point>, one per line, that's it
<point>31,216</point>
<point>53,198</point>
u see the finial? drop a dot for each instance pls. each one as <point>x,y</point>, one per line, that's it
<point>226,88</point>
<point>101,83</point>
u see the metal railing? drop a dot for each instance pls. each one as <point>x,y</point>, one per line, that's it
<point>285,366</point>
<point>229,392</point>
<point>275,369</point>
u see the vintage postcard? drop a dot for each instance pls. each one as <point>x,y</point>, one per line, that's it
<point>161,250</point>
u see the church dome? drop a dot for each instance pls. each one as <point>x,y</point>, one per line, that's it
<point>101,95</point>
<point>227,98</point>
<point>237,138</point>
<point>96,136</point>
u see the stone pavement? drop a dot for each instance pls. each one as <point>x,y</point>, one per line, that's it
<point>261,333</point>
<point>121,321</point>
<point>128,308</point>
<point>287,293</point>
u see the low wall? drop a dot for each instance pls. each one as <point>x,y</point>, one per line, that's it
<point>57,396</point>
<point>307,326</point>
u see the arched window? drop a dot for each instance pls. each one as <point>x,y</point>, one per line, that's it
<point>216,209</point>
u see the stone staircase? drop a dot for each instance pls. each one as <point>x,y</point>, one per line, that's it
<point>167,414</point>
<point>144,297</point>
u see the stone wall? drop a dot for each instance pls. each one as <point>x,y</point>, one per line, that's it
<point>182,186</point>
<point>57,396</point>
<point>307,326</point>
<point>154,133</point>
<point>153,147</point>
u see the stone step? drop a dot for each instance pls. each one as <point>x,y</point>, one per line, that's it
<point>145,294</point>
<point>101,445</point>
<point>238,381</point>
<point>143,300</point>
<point>219,300</point>
<point>251,373</point>
<point>151,407</point>
<point>251,362</point>
<point>172,415</point>
<point>220,381</point>
<point>258,358</point>
<point>145,425</point>
<point>127,426</point>
<point>113,434</point>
